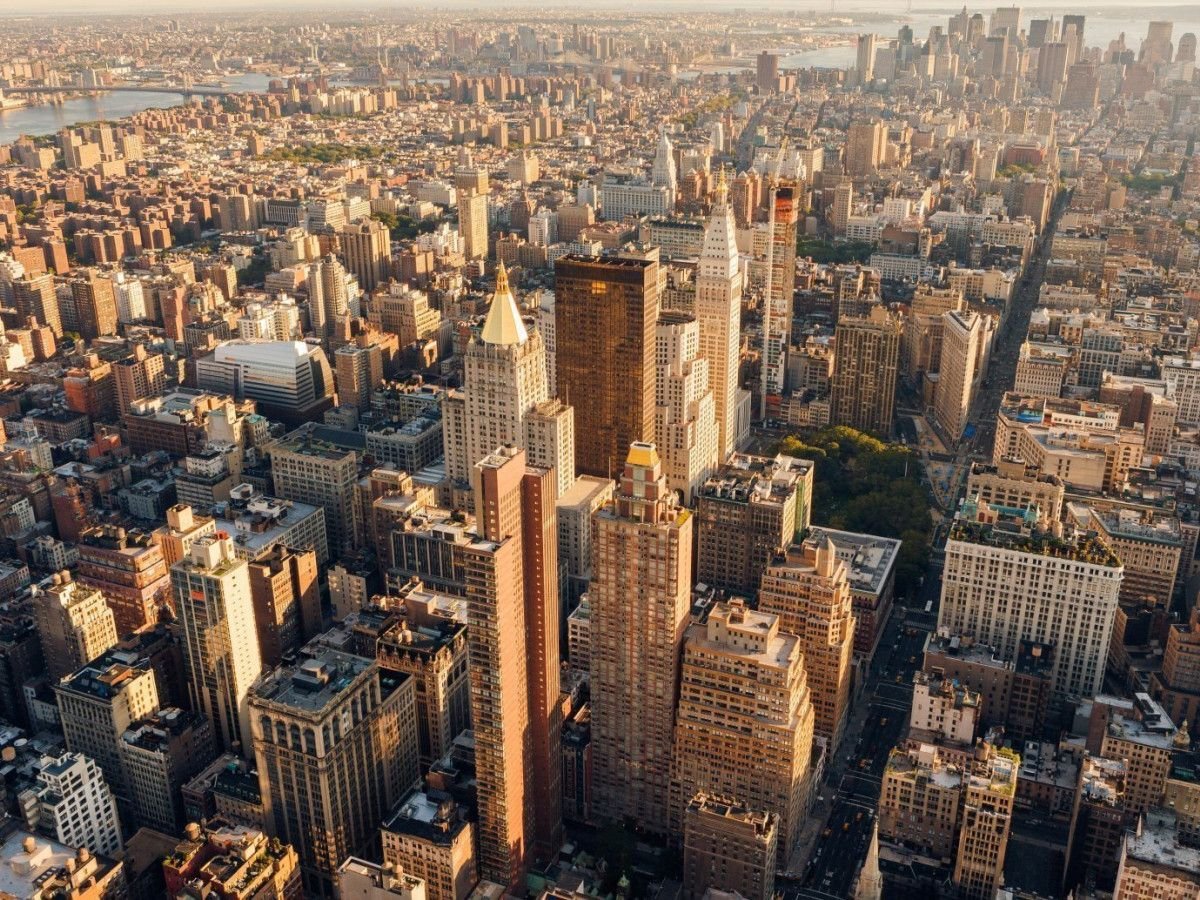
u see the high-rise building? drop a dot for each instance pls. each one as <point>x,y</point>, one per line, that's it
<point>783,283</point>
<point>966,346</point>
<point>311,470</point>
<point>866,147</point>
<point>640,597</point>
<point>866,58</point>
<point>97,704</point>
<point>328,298</point>
<point>1007,579</point>
<point>367,249</point>
<point>141,375</point>
<point>75,625</point>
<point>754,742</point>
<point>550,441</point>
<point>220,648</point>
<point>989,790</point>
<point>1177,686</point>
<point>160,754</point>
<point>719,312</point>
<point>183,526</point>
<point>287,601</point>
<point>685,421</point>
<point>95,304</point>
<point>606,309</point>
<point>358,371</point>
<point>473,223</point>
<point>1099,820</point>
<point>748,510</point>
<point>809,589</point>
<point>512,638</point>
<point>728,848</point>
<point>129,569</point>
<point>34,296</point>
<point>504,379</point>
<point>335,739</point>
<point>72,803</point>
<point>363,880</point>
<point>1155,861</point>
<point>767,72</point>
<point>663,171</point>
<point>866,361</point>
<point>430,837</point>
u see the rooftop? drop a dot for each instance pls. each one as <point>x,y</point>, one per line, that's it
<point>313,685</point>
<point>869,559</point>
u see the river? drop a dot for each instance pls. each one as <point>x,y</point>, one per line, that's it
<point>49,118</point>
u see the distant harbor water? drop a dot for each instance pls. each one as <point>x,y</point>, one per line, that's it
<point>48,118</point>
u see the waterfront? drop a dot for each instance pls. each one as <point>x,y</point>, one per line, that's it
<point>48,118</point>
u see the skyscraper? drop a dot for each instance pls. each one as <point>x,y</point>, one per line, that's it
<point>220,648</point>
<point>473,223</point>
<point>606,309</point>
<point>663,172</point>
<point>311,470</point>
<point>287,601</point>
<point>866,58</point>
<point>744,725</point>
<point>512,639</point>
<point>719,312</point>
<point>866,360</point>
<point>141,375</point>
<point>728,846</point>
<point>866,143</point>
<point>95,305</point>
<point>74,623</point>
<point>966,345</point>
<point>504,378</point>
<point>685,421</point>
<point>783,281</point>
<point>367,249</point>
<point>335,739</point>
<point>766,75</point>
<point>640,597</point>
<point>34,295</point>
<point>809,589</point>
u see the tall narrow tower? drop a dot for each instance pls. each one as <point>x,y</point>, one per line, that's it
<point>719,312</point>
<point>220,647</point>
<point>640,597</point>
<point>663,173</point>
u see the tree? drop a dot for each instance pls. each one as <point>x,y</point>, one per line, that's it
<point>866,485</point>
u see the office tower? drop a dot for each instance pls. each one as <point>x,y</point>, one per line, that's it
<point>74,623</point>
<point>287,601</point>
<point>866,59</point>
<point>224,858</point>
<point>767,72</point>
<point>750,508</point>
<point>993,56</point>
<point>95,305</point>
<point>662,171</point>
<point>512,637</point>
<point>1060,591</point>
<point>328,300</point>
<point>473,223</point>
<point>866,145</point>
<point>808,588</point>
<point>1076,22</point>
<point>1053,59</point>
<point>97,704</point>
<point>141,375</point>
<point>311,470</point>
<point>988,793</point>
<point>728,847</point>
<point>605,314</point>
<point>129,569</point>
<point>72,803</point>
<point>685,422</point>
<point>367,249</point>
<point>871,563</point>
<point>1186,52</point>
<point>34,296</point>
<point>574,510</point>
<point>843,204</point>
<point>1006,20</point>
<point>966,346</point>
<point>1041,31</point>
<point>431,837</point>
<point>335,727</point>
<point>744,725</point>
<point>504,379</point>
<point>866,360</point>
<point>289,380</point>
<point>550,441</point>
<point>160,754</point>
<point>719,312</point>
<point>405,313</point>
<point>640,596</point>
<point>783,281</point>
<point>220,648</point>
<point>1157,46</point>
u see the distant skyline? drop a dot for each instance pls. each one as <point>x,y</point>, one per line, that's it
<point>169,7</point>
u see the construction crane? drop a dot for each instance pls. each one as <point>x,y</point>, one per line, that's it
<point>772,186</point>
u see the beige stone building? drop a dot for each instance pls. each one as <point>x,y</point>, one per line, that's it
<point>728,847</point>
<point>74,623</point>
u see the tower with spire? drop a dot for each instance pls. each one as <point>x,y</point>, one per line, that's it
<point>719,312</point>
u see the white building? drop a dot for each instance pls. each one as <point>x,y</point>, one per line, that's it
<point>685,415</point>
<point>288,376</point>
<point>73,804</point>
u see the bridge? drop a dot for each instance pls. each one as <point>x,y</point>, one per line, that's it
<point>184,91</point>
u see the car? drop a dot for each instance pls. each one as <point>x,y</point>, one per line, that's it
<point>826,833</point>
<point>845,826</point>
